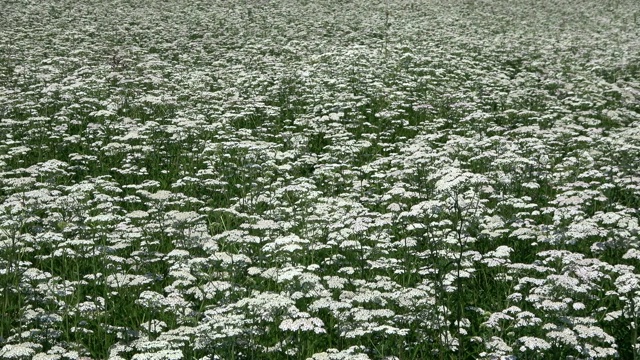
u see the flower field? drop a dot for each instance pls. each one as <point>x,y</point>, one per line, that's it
<point>325,180</point>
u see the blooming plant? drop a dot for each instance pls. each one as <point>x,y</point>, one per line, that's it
<point>325,179</point>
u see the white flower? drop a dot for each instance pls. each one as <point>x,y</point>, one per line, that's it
<point>494,320</point>
<point>161,195</point>
<point>579,306</point>
<point>44,356</point>
<point>498,345</point>
<point>592,331</point>
<point>352,353</point>
<point>533,343</point>
<point>547,304</point>
<point>303,324</point>
<point>160,355</point>
<point>632,254</point>
<point>150,299</point>
<point>627,283</point>
<point>20,351</point>
<point>123,280</point>
<point>567,283</point>
<point>335,282</point>
<point>526,318</point>
<point>564,336</point>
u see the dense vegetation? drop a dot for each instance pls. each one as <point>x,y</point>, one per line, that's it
<point>399,179</point>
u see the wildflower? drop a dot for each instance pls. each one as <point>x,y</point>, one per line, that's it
<point>160,355</point>
<point>303,324</point>
<point>533,343</point>
<point>20,351</point>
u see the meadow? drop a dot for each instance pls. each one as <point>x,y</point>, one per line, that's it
<point>324,180</point>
